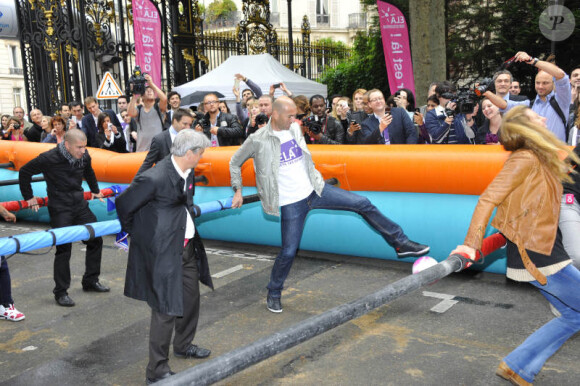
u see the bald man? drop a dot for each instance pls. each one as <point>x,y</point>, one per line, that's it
<point>64,168</point>
<point>553,95</point>
<point>34,132</point>
<point>289,186</point>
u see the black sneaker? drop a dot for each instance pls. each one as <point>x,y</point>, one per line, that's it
<point>411,248</point>
<point>274,304</point>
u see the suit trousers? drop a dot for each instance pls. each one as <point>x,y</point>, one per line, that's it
<point>68,216</point>
<point>162,325</point>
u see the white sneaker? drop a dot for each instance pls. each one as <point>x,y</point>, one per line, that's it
<point>11,313</point>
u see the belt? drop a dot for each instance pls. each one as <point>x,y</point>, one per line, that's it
<point>531,267</point>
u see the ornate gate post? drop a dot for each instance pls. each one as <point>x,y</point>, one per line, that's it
<point>255,32</point>
<point>306,57</point>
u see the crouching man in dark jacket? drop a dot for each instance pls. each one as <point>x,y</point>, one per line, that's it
<point>166,255</point>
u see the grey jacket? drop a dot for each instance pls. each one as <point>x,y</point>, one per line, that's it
<point>264,147</point>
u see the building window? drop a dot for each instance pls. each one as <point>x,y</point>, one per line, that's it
<point>322,11</point>
<point>15,67</point>
<point>17,95</point>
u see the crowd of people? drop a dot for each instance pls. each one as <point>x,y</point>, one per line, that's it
<point>534,185</point>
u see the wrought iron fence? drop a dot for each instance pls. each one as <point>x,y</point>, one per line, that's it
<point>68,45</point>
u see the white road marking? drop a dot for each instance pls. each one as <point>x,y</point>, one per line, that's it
<point>240,255</point>
<point>443,306</point>
<point>228,271</point>
<point>29,348</point>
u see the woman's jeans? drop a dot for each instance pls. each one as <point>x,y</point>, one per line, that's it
<point>292,219</point>
<point>570,228</point>
<point>562,291</point>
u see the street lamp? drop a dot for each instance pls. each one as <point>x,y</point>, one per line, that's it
<point>290,42</point>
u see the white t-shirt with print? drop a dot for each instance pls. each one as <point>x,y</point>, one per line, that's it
<point>293,181</point>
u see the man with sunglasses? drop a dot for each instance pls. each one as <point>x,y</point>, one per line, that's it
<point>222,129</point>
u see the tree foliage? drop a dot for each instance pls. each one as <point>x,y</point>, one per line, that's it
<point>481,35</point>
<point>366,66</point>
<point>487,33</point>
<point>220,9</point>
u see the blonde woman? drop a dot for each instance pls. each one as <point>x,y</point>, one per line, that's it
<point>357,99</point>
<point>527,195</point>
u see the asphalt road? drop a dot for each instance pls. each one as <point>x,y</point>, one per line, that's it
<point>454,332</point>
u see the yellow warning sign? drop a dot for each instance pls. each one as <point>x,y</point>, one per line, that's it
<point>108,89</point>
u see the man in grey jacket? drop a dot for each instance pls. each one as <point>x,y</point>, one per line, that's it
<point>286,179</point>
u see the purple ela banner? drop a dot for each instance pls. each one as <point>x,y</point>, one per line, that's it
<point>395,37</point>
<point>147,30</point>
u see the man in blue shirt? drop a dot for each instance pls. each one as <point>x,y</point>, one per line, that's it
<point>551,82</point>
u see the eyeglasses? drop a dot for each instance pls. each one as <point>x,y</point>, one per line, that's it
<point>376,99</point>
<point>210,103</point>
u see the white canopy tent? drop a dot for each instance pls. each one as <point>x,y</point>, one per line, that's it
<point>264,70</point>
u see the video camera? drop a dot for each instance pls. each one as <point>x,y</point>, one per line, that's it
<point>137,82</point>
<point>313,124</point>
<point>465,101</point>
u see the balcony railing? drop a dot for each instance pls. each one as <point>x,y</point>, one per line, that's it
<point>16,71</point>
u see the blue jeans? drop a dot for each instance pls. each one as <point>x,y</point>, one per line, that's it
<point>562,291</point>
<point>292,217</point>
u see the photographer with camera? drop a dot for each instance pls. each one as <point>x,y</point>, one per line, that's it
<point>386,125</point>
<point>320,128</point>
<point>149,115</point>
<point>14,131</point>
<point>222,129</point>
<point>553,98</point>
<point>452,121</point>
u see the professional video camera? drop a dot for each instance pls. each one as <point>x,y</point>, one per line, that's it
<point>465,101</point>
<point>313,124</point>
<point>136,82</point>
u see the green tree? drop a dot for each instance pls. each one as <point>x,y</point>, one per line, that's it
<point>220,9</point>
<point>366,66</point>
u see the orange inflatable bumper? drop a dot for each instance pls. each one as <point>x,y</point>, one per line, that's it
<point>452,169</point>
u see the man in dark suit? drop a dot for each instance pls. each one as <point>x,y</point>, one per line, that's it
<point>163,270</point>
<point>387,128</point>
<point>161,143</point>
<point>89,121</point>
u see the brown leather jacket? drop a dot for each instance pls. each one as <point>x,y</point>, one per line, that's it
<point>527,197</point>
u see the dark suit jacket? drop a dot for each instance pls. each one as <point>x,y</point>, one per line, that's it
<point>401,130</point>
<point>119,144</point>
<point>152,211</point>
<point>91,130</point>
<point>356,138</point>
<point>167,119</point>
<point>160,148</point>
<point>230,132</point>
